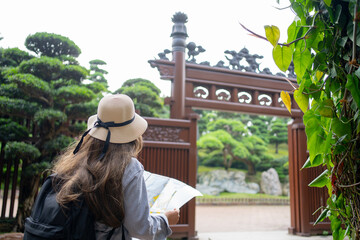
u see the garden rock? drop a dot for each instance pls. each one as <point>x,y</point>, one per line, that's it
<point>205,189</point>
<point>270,183</point>
<point>225,181</point>
<point>286,189</point>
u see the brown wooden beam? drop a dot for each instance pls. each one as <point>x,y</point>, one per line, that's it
<point>241,107</point>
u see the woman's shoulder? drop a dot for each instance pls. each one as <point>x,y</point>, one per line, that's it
<point>133,169</point>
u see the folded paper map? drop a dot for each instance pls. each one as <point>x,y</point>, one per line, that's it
<point>167,193</point>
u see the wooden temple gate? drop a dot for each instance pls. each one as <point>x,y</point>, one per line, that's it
<point>217,88</point>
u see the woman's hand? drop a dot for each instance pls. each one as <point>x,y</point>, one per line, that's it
<point>173,216</point>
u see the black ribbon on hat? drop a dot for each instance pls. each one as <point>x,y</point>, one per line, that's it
<point>105,125</point>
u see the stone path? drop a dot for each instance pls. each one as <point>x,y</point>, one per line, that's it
<point>246,222</point>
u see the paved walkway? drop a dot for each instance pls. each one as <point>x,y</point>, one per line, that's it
<point>246,222</point>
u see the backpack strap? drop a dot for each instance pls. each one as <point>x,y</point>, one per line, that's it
<point>112,232</point>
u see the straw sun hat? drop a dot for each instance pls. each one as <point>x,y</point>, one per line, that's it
<point>115,121</point>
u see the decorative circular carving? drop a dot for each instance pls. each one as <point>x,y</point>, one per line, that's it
<point>281,102</point>
<point>223,95</point>
<point>201,92</point>
<point>265,99</point>
<point>244,97</point>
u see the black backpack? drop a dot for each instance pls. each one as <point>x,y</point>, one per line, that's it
<point>49,220</point>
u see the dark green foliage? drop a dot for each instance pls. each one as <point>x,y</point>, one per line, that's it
<point>44,115</point>
<point>51,45</point>
<point>21,150</point>
<point>74,72</point>
<point>98,77</point>
<point>56,145</point>
<point>97,62</point>
<point>278,133</point>
<point>35,87</point>
<point>10,90</point>
<point>62,83</point>
<point>13,57</point>
<point>73,94</point>
<point>97,73</point>
<point>68,60</point>
<point>260,126</point>
<point>145,96</point>
<point>78,128</point>
<point>45,68</point>
<point>36,168</point>
<point>17,107</point>
<point>12,131</point>
<point>6,72</point>
<point>227,141</point>
<point>94,66</point>
<point>140,82</point>
<point>81,110</point>
<point>40,90</point>
<point>97,87</point>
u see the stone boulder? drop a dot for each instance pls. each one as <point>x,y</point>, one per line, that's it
<point>286,189</point>
<point>270,183</point>
<point>219,181</point>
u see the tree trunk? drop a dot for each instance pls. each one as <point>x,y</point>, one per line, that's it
<point>225,160</point>
<point>227,163</point>
<point>250,165</point>
<point>29,186</point>
<point>2,159</point>
<point>276,148</point>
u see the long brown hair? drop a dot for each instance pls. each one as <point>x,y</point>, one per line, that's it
<point>100,182</point>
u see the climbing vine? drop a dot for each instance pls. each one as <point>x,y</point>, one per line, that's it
<point>323,43</point>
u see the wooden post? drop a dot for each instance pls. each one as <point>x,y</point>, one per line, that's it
<point>179,36</point>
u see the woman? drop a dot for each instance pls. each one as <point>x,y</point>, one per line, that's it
<point>104,169</point>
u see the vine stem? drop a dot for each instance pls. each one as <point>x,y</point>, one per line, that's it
<point>351,185</point>
<point>353,59</point>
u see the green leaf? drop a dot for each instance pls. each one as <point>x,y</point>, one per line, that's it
<point>350,33</point>
<point>302,61</point>
<point>315,134</point>
<point>338,10</point>
<point>352,85</point>
<point>282,56</point>
<point>327,2</point>
<point>302,100</point>
<point>326,108</point>
<point>272,34</point>
<point>292,32</point>
<point>341,129</point>
<point>307,164</point>
<point>335,227</point>
<point>321,180</point>
<point>317,161</point>
<point>320,62</point>
<point>322,216</point>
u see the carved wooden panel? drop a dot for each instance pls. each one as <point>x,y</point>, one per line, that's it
<point>163,134</point>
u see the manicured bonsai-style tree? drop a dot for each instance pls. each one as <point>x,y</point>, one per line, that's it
<point>44,93</point>
<point>146,96</point>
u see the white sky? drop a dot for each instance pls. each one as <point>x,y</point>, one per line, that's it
<point>126,34</point>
